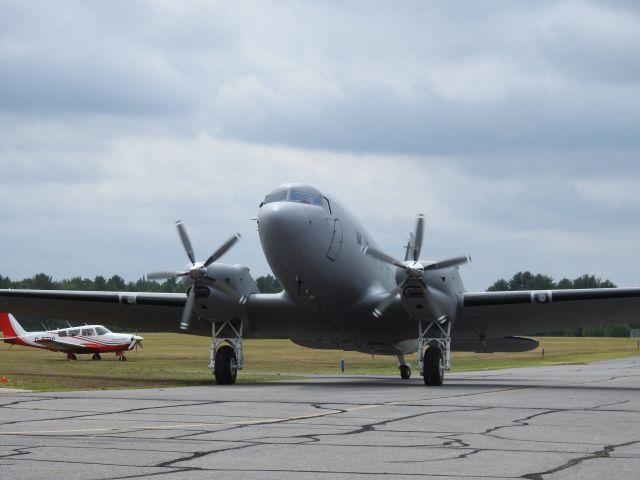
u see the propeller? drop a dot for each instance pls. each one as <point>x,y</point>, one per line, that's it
<point>198,272</point>
<point>413,270</point>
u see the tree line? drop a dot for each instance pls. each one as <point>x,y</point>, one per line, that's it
<point>268,284</point>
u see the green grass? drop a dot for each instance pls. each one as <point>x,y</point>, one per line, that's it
<point>180,360</point>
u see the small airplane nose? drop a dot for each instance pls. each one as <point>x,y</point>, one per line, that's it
<point>280,221</point>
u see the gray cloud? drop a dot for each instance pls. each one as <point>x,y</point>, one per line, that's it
<point>514,126</point>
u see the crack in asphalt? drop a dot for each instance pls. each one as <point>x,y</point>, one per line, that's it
<point>604,453</point>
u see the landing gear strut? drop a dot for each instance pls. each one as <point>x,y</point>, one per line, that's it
<point>436,358</point>
<point>226,358</point>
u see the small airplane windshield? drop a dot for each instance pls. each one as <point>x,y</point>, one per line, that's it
<point>303,197</point>
<point>101,331</point>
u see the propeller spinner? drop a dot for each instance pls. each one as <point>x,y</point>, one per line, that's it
<point>412,270</point>
<point>198,272</point>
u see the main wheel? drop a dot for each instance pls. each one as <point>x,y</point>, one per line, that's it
<point>405,372</point>
<point>226,368</point>
<point>433,367</point>
<point>71,356</point>
<point>96,356</point>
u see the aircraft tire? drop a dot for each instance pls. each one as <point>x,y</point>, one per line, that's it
<point>122,358</point>
<point>433,367</point>
<point>96,356</point>
<point>225,370</point>
<point>405,372</point>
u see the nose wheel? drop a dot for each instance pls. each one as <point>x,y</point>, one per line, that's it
<point>404,367</point>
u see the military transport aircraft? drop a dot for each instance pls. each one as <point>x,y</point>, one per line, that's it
<point>340,292</point>
<point>94,339</point>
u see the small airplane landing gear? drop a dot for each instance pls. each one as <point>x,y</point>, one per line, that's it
<point>71,356</point>
<point>121,357</point>
<point>96,356</point>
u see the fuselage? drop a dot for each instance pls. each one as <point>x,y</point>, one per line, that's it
<point>314,248</point>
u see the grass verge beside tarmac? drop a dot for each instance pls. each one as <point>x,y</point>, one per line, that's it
<point>169,360</point>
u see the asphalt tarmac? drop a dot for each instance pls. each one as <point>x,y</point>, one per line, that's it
<point>579,421</point>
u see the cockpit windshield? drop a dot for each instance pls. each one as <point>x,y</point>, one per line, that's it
<point>294,196</point>
<point>275,197</point>
<point>304,197</point>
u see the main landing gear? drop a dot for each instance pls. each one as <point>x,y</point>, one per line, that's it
<point>71,356</point>
<point>434,351</point>
<point>96,356</point>
<point>226,358</point>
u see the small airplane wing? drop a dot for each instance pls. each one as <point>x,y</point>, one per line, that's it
<point>60,345</point>
<point>142,311</point>
<point>504,314</point>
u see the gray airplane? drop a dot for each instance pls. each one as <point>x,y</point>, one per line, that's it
<point>340,292</point>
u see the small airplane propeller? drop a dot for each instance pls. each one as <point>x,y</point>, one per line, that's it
<point>198,272</point>
<point>413,270</point>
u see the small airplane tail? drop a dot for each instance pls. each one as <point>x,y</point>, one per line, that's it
<point>10,326</point>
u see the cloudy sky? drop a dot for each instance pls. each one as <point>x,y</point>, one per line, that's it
<point>513,126</point>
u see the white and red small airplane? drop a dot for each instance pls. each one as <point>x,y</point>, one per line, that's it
<point>94,339</point>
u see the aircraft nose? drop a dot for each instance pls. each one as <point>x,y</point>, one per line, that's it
<point>279,221</point>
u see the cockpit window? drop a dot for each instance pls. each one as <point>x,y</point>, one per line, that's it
<point>101,331</point>
<point>303,197</point>
<point>275,197</point>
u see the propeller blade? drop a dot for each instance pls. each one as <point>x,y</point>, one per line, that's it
<point>164,275</point>
<point>185,241</point>
<point>410,246</point>
<point>188,306</point>
<point>386,303</point>
<point>222,250</point>
<point>383,257</point>
<point>449,262</point>
<point>418,237</point>
<point>433,305</point>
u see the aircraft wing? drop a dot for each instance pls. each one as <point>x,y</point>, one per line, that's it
<point>131,311</point>
<point>504,314</point>
<point>61,345</point>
